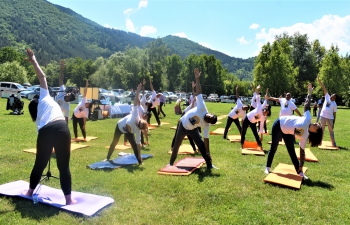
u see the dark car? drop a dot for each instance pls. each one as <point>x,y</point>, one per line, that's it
<point>37,92</point>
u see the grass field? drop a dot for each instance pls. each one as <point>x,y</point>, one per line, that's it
<point>234,194</point>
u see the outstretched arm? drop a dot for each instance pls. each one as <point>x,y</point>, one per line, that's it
<point>137,95</point>
<point>193,86</point>
<point>237,95</point>
<point>197,75</point>
<point>86,88</point>
<point>150,84</point>
<point>60,79</point>
<point>38,71</point>
<point>323,87</point>
<point>308,98</point>
<point>143,87</point>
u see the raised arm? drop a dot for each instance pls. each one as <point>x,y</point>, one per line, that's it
<point>86,88</point>
<point>253,88</point>
<point>38,71</point>
<point>197,75</point>
<point>308,98</point>
<point>323,87</point>
<point>237,95</point>
<point>150,84</point>
<point>193,86</point>
<point>60,79</point>
<point>137,95</point>
<point>143,87</point>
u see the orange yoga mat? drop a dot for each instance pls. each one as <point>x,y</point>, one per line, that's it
<point>151,127</point>
<point>234,138</point>
<point>285,175</point>
<point>81,139</point>
<point>219,131</point>
<point>309,156</point>
<point>185,149</point>
<point>327,145</point>
<point>251,148</point>
<point>183,167</point>
<point>173,128</point>
<point>72,148</point>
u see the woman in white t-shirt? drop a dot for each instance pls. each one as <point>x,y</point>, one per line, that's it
<point>238,111</point>
<point>81,112</point>
<point>53,132</point>
<point>287,127</point>
<point>328,112</point>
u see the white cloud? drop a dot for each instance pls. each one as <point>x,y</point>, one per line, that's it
<point>146,30</point>
<point>130,25</point>
<point>243,41</point>
<point>128,12</point>
<point>207,45</point>
<point>181,35</point>
<point>254,26</point>
<point>143,4</point>
<point>330,29</point>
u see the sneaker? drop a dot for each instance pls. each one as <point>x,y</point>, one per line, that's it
<point>303,176</point>
<point>267,170</point>
<point>213,167</point>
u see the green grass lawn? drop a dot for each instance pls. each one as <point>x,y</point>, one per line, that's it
<point>234,194</point>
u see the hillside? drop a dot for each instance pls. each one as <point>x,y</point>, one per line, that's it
<point>57,32</point>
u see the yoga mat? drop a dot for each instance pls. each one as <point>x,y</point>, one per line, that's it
<point>219,131</point>
<point>73,147</point>
<point>87,204</point>
<point>327,145</point>
<point>173,128</point>
<point>81,139</point>
<point>185,149</point>
<point>285,175</point>
<point>183,167</point>
<point>309,156</point>
<point>118,162</point>
<point>120,147</point>
<point>161,123</point>
<point>251,148</point>
<point>280,143</point>
<point>222,117</point>
<point>234,138</point>
<point>151,127</point>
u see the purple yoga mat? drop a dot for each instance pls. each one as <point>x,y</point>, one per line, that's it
<point>87,204</point>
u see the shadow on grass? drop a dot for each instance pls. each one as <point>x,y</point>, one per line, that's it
<point>343,148</point>
<point>206,173</point>
<point>318,183</point>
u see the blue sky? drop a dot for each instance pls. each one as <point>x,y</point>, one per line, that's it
<point>236,28</point>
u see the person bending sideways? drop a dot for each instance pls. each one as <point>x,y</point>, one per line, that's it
<point>287,127</point>
<point>193,119</point>
<point>81,112</point>
<point>129,126</point>
<point>238,111</point>
<point>53,132</point>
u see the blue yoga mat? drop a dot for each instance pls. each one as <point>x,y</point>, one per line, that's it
<point>118,162</point>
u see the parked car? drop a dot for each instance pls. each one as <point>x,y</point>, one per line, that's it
<point>213,98</point>
<point>24,94</point>
<point>228,99</point>
<point>182,96</point>
<point>30,95</point>
<point>204,96</point>
<point>104,94</point>
<point>9,88</point>
<point>26,85</point>
<point>171,95</point>
<point>118,91</point>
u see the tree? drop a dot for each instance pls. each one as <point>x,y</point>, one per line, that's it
<point>175,69</point>
<point>13,72</point>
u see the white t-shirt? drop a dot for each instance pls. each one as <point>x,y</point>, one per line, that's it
<point>128,124</point>
<point>329,107</point>
<point>287,107</point>
<point>257,115</point>
<point>140,110</point>
<point>143,103</point>
<point>154,100</point>
<point>237,110</point>
<point>195,117</point>
<point>298,126</point>
<point>48,109</point>
<point>65,106</point>
<point>80,110</point>
<point>255,100</point>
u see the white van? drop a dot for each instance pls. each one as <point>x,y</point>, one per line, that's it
<point>9,88</point>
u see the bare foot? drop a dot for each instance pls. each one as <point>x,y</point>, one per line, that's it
<point>70,200</point>
<point>28,193</point>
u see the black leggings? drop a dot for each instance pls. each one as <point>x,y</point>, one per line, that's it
<point>154,110</point>
<point>53,135</point>
<point>161,109</point>
<point>194,134</point>
<point>81,125</point>
<point>228,125</point>
<point>189,138</point>
<point>130,137</point>
<point>247,123</point>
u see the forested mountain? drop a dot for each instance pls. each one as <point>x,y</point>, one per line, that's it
<point>56,32</point>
